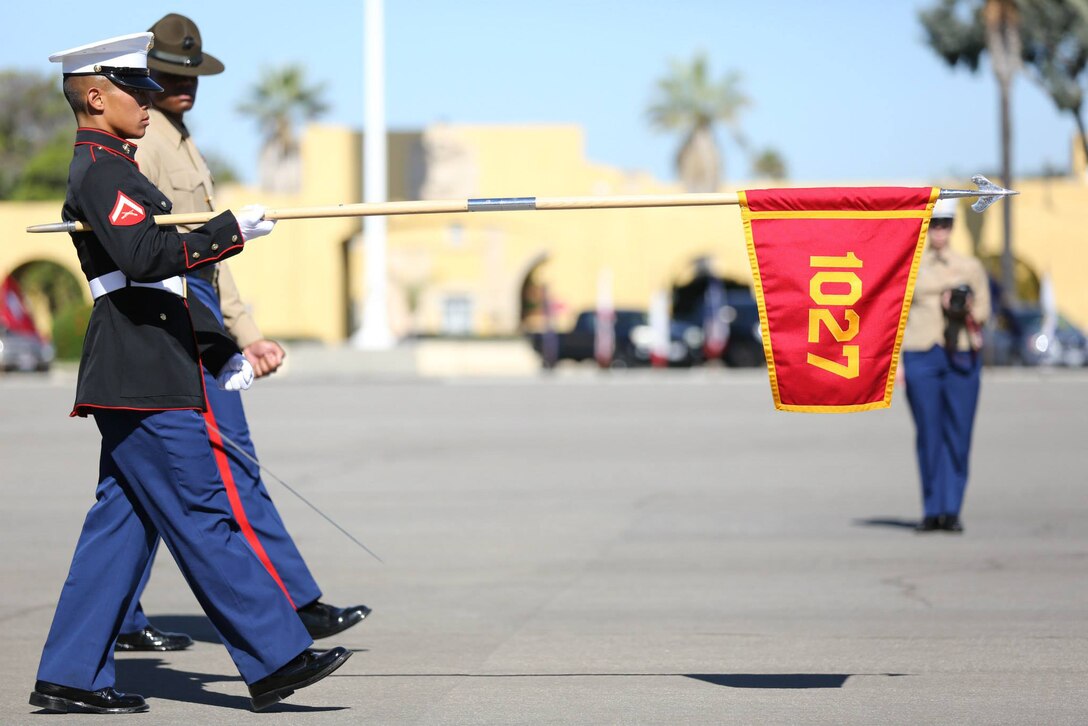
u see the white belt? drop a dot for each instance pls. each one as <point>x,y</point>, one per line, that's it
<point>105,284</point>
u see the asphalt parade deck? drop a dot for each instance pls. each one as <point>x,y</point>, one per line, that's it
<point>640,547</point>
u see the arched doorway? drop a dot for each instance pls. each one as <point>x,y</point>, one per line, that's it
<point>1026,278</point>
<point>48,289</point>
<point>532,304</point>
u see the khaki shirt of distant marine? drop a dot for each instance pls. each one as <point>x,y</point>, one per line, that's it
<point>936,274</point>
<point>169,158</point>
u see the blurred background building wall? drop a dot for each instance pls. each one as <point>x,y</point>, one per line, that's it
<point>482,274</point>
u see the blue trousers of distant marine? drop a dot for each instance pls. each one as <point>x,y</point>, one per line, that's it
<point>158,478</point>
<point>943,395</point>
<point>258,518</point>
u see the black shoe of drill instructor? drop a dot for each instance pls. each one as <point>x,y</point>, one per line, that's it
<point>928,524</point>
<point>151,638</point>
<point>323,620</point>
<point>309,667</point>
<point>62,699</point>
<point>952,523</point>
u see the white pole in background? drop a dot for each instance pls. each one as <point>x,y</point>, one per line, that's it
<point>375,333</point>
<point>659,326</point>
<point>604,336</point>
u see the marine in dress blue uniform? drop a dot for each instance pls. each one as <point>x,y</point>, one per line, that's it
<point>140,377</point>
<point>169,158</point>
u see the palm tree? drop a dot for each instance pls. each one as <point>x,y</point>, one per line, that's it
<point>282,99</point>
<point>769,164</point>
<point>994,27</point>
<point>687,100</point>
<point>1054,35</point>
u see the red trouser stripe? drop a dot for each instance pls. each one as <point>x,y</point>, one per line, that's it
<point>236,502</point>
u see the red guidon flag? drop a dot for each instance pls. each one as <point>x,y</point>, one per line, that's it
<point>834,272</point>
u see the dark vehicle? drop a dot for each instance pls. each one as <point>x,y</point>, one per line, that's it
<point>738,308</point>
<point>1016,337</point>
<point>684,348</point>
<point>578,343</point>
<point>21,351</point>
<point>634,341</point>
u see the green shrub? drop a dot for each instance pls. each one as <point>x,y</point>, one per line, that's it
<point>69,329</point>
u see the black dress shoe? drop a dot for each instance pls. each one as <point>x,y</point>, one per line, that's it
<point>151,638</point>
<point>928,524</point>
<point>305,670</point>
<point>63,699</point>
<point>952,523</point>
<point>323,620</point>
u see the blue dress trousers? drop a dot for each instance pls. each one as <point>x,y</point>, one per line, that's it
<point>251,503</point>
<point>943,393</point>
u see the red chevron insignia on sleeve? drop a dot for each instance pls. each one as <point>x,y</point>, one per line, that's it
<point>126,212</point>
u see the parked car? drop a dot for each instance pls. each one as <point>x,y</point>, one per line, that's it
<point>745,346</point>
<point>684,349</point>
<point>23,352</point>
<point>744,349</point>
<point>578,343</point>
<point>633,341</point>
<point>1016,337</point>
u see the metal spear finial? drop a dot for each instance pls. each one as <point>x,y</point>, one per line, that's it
<point>987,193</point>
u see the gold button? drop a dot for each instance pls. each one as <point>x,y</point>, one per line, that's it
<point>234,238</point>
<point>163,204</point>
<point>162,316</point>
<point>215,245</point>
<point>196,255</point>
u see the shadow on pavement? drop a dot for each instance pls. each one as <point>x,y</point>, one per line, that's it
<point>886,522</point>
<point>197,627</point>
<point>773,680</point>
<point>151,679</point>
<point>730,680</point>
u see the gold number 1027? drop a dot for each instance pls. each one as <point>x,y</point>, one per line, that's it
<point>822,317</point>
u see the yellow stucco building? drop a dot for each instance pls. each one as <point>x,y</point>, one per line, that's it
<point>479,273</point>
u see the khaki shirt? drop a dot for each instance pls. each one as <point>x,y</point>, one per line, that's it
<point>169,158</point>
<point>937,273</point>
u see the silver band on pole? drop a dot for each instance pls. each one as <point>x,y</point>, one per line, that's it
<point>502,204</point>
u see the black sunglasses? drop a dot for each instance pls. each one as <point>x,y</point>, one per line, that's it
<point>940,223</point>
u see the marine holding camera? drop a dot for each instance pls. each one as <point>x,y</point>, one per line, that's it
<point>942,368</point>
<point>958,319</point>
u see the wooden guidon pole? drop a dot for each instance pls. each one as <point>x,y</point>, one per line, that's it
<point>987,194</point>
<point>498,204</point>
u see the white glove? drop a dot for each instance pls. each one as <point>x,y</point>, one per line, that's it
<point>236,375</point>
<point>252,223</point>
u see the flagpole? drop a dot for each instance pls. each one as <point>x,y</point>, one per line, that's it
<point>374,333</point>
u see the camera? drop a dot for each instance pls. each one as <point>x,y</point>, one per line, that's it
<point>957,302</point>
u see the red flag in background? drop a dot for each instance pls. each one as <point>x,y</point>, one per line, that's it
<point>13,311</point>
<point>834,272</point>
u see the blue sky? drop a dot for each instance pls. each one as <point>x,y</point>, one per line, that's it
<point>845,90</point>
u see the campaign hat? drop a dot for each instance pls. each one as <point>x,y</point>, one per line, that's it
<point>122,59</point>
<point>178,49</point>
